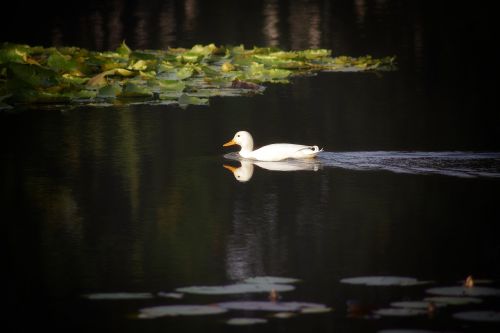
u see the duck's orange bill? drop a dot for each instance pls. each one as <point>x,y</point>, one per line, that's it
<point>230,143</point>
<point>230,168</point>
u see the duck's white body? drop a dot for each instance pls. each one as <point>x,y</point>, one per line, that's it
<point>273,152</point>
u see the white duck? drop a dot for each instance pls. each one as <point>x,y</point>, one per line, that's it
<point>273,152</point>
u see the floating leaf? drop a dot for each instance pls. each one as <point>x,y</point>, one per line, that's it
<point>269,306</point>
<point>33,75</point>
<point>99,80</point>
<point>415,304</point>
<point>316,309</point>
<point>118,296</point>
<point>284,315</point>
<point>483,316</point>
<point>384,281</point>
<point>464,291</point>
<point>179,310</point>
<point>61,63</point>
<point>271,280</point>
<point>171,295</point>
<point>110,91</point>
<point>240,288</point>
<point>123,49</point>
<point>454,300</point>
<point>246,321</point>
<point>50,75</point>
<point>192,100</point>
<point>400,312</point>
<point>134,90</point>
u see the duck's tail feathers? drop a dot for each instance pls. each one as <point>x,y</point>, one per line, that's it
<point>314,149</point>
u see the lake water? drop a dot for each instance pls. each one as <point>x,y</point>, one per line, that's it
<point>137,199</point>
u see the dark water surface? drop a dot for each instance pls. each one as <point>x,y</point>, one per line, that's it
<point>136,198</point>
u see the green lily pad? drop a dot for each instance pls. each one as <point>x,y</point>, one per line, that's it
<point>246,321</point>
<point>384,281</point>
<point>185,99</point>
<point>118,296</point>
<point>482,316</point>
<point>134,90</point>
<point>464,291</point>
<point>61,63</point>
<point>179,310</point>
<point>271,280</point>
<point>110,91</point>
<point>182,76</point>
<point>240,288</point>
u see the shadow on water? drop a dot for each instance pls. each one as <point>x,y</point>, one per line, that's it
<point>452,163</point>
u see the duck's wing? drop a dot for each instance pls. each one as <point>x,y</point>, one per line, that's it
<point>281,151</point>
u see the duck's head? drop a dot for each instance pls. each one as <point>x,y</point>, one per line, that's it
<point>243,173</point>
<point>243,139</point>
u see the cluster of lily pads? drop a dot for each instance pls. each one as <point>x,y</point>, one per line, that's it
<point>264,284</point>
<point>456,296</point>
<point>72,75</point>
<point>466,293</point>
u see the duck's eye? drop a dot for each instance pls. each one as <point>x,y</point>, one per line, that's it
<point>238,136</point>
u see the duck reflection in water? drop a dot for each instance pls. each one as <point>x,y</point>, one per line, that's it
<point>245,172</point>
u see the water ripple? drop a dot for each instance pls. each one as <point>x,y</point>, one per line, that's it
<point>449,163</point>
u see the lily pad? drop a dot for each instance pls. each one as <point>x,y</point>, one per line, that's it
<point>284,315</point>
<point>179,310</point>
<point>118,296</point>
<point>269,306</point>
<point>316,309</point>
<point>453,300</point>
<point>464,291</point>
<point>239,288</point>
<point>415,304</point>
<point>483,316</point>
<point>384,281</point>
<point>271,280</point>
<point>201,72</point>
<point>400,312</point>
<point>170,295</point>
<point>246,321</point>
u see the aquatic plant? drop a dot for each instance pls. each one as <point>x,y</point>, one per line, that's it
<point>71,75</point>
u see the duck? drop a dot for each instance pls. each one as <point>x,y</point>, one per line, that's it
<point>245,172</point>
<point>273,152</point>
